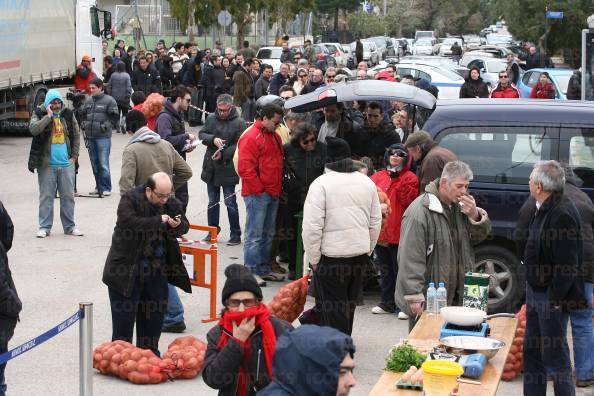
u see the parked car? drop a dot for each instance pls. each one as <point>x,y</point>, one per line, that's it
<point>499,39</point>
<point>424,47</point>
<point>425,34</point>
<point>446,45</point>
<point>324,57</point>
<point>384,45</point>
<point>559,78</point>
<point>447,81</point>
<point>489,67</point>
<point>472,41</point>
<point>501,141</point>
<point>336,52</point>
<point>370,52</point>
<point>497,50</point>
<point>271,56</point>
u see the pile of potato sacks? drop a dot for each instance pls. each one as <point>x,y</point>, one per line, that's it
<point>184,359</point>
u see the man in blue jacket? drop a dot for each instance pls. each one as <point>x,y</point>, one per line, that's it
<point>314,361</point>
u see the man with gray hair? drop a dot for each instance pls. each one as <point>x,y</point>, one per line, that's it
<point>437,237</point>
<point>220,135</point>
<point>555,283</point>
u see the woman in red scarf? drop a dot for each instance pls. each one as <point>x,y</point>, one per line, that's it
<point>543,89</point>
<point>241,346</point>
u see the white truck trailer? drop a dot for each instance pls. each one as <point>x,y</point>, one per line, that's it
<point>41,43</point>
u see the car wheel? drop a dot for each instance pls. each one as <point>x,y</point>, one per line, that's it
<point>506,277</point>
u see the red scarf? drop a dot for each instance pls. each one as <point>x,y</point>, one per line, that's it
<point>268,339</point>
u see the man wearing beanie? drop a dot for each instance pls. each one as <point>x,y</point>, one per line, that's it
<point>54,149</point>
<point>429,158</point>
<point>241,346</point>
<point>402,186</point>
<point>313,352</point>
<point>146,153</point>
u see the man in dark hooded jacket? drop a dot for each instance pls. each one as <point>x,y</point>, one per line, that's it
<point>10,304</point>
<point>312,352</point>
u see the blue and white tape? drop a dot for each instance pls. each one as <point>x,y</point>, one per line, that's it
<point>27,346</point>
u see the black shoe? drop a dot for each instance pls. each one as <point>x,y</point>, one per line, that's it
<point>234,242</point>
<point>178,327</point>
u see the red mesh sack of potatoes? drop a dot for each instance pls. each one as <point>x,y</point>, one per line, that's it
<point>289,302</point>
<point>122,359</point>
<point>514,363</point>
<point>185,356</point>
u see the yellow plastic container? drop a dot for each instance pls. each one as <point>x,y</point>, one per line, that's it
<point>439,377</point>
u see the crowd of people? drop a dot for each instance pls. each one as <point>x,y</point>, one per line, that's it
<point>367,179</point>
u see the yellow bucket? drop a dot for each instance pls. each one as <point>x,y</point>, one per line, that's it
<point>439,377</point>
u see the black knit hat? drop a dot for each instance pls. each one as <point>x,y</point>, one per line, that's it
<point>239,279</point>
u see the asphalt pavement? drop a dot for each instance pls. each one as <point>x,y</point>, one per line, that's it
<point>54,274</point>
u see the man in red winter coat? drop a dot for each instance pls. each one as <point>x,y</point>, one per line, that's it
<point>402,186</point>
<point>505,89</point>
<point>260,166</point>
<point>84,74</point>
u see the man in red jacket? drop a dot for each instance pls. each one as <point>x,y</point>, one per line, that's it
<point>260,167</point>
<point>402,187</point>
<point>84,75</point>
<point>505,89</point>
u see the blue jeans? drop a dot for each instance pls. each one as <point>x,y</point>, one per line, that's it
<point>583,339</point>
<point>99,149</point>
<point>175,309</point>
<point>214,195</point>
<point>51,179</point>
<point>259,231</point>
<point>545,347</point>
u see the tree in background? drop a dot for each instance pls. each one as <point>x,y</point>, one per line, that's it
<point>333,7</point>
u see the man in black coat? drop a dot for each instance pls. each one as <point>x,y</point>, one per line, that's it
<point>375,136</point>
<point>220,135</point>
<point>213,79</point>
<point>555,285</point>
<point>145,256</point>
<point>10,304</point>
<point>146,78</point>
<point>581,319</point>
<point>281,78</point>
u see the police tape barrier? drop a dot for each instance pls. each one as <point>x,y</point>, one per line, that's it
<point>85,315</point>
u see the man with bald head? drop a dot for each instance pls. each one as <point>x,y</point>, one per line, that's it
<point>144,257</point>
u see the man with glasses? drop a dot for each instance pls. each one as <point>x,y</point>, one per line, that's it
<point>170,126</point>
<point>297,57</point>
<point>505,89</point>
<point>144,256</point>
<point>220,135</point>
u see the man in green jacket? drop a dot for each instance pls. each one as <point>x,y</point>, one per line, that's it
<point>438,232</point>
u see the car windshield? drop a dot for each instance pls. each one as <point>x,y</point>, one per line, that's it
<point>424,42</point>
<point>450,75</point>
<point>380,42</point>
<point>366,45</point>
<point>451,41</point>
<point>270,53</point>
<point>495,66</point>
<point>563,82</point>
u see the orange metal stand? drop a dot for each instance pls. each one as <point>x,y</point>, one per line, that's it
<point>200,250</point>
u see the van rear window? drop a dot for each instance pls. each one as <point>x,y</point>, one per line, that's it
<point>498,154</point>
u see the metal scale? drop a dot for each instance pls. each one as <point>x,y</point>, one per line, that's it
<point>449,329</point>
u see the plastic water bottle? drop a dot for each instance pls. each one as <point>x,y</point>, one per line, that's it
<point>431,299</point>
<point>441,297</point>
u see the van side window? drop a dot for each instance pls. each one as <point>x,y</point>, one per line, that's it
<point>498,154</point>
<point>581,155</point>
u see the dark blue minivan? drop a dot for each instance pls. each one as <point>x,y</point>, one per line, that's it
<point>501,140</point>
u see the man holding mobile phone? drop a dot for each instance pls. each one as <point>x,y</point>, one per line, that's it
<point>143,259</point>
<point>220,135</point>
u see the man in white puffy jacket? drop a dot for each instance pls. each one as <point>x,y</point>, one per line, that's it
<point>341,224</point>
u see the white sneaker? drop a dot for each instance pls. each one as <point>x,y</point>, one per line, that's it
<point>261,282</point>
<point>379,310</point>
<point>402,316</point>
<point>42,233</point>
<point>106,193</point>
<point>75,232</point>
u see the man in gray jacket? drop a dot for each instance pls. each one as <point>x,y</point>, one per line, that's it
<point>437,235</point>
<point>341,224</point>
<point>100,115</point>
<point>146,154</point>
